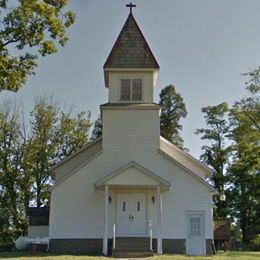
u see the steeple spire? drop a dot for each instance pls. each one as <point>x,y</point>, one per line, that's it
<point>131,50</point>
<point>131,5</point>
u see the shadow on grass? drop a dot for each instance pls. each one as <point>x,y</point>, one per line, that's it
<point>243,255</point>
<point>237,254</point>
<point>28,254</point>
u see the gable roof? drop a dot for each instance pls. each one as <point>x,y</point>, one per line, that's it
<point>184,158</point>
<point>163,183</point>
<point>167,149</point>
<point>80,160</point>
<point>191,173</point>
<point>185,161</point>
<point>131,50</point>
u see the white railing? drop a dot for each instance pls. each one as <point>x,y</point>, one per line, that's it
<point>114,236</point>
<point>151,235</point>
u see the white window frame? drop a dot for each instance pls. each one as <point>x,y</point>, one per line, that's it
<point>131,90</point>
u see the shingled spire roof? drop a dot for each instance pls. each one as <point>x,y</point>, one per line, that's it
<point>131,49</point>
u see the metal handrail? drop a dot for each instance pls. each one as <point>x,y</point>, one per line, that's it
<point>114,236</point>
<point>151,235</point>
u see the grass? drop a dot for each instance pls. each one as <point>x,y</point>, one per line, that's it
<point>219,256</point>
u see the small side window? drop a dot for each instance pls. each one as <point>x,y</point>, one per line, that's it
<point>123,206</point>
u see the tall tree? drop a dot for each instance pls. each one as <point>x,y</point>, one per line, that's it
<point>29,27</point>
<point>44,118</point>
<point>26,154</point>
<point>26,179</point>
<point>97,129</point>
<point>216,153</point>
<point>72,133</point>
<point>244,170</point>
<point>55,134</point>
<point>173,110</point>
<point>10,158</point>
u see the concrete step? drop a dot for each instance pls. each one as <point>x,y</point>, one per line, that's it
<point>131,247</point>
<point>133,239</point>
<point>120,245</point>
<point>131,243</point>
<point>136,254</point>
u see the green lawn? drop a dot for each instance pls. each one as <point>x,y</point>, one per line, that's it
<point>219,256</point>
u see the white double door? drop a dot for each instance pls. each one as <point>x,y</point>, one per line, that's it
<point>131,217</point>
<point>195,234</point>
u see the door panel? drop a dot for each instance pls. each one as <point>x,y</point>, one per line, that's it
<point>195,234</point>
<point>131,218</point>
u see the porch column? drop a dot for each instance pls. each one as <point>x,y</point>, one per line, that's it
<point>159,221</point>
<point>106,222</point>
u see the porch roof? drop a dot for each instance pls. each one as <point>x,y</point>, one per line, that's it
<point>133,174</point>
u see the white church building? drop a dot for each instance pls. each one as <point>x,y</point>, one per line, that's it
<point>131,191</point>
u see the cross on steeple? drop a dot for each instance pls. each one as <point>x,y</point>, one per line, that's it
<point>130,6</point>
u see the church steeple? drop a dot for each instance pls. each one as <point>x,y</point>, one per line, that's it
<point>130,51</point>
<point>131,120</point>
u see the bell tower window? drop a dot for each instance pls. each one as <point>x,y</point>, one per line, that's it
<point>125,89</point>
<point>137,89</point>
<point>131,90</point>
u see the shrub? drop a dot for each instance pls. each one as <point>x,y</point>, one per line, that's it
<point>255,244</point>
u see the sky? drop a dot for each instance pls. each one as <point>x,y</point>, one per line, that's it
<point>202,47</point>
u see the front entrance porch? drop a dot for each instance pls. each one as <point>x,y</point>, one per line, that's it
<point>132,220</point>
<point>131,185</point>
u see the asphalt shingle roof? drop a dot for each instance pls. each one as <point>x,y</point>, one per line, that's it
<point>131,49</point>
